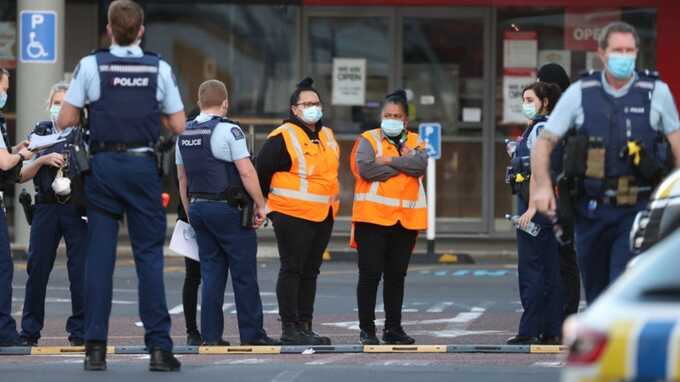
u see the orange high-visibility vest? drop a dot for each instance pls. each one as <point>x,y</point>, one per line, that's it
<point>398,199</point>
<point>310,187</point>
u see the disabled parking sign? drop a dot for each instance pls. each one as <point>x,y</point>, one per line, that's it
<point>431,134</point>
<point>38,37</point>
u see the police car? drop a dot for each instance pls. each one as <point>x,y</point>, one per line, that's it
<point>632,331</point>
<point>661,217</point>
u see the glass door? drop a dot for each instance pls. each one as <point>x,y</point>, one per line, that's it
<point>444,65</point>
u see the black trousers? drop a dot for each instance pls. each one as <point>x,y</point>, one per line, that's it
<point>571,281</point>
<point>301,245</point>
<point>383,252</point>
<point>192,280</point>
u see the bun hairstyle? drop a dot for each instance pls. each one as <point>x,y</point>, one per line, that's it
<point>545,90</point>
<point>304,85</point>
<point>400,98</point>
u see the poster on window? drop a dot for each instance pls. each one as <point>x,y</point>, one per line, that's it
<point>556,56</point>
<point>582,27</point>
<point>514,81</point>
<point>8,40</point>
<point>520,49</point>
<point>349,81</point>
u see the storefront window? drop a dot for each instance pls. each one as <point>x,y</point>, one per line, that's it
<point>531,37</point>
<point>252,48</point>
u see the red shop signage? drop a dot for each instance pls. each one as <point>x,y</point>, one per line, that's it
<point>582,26</point>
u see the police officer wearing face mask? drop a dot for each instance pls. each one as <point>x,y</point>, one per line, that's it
<point>8,176</point>
<point>618,123</point>
<point>55,216</point>
<point>389,209</point>
<point>130,94</point>
<point>214,166</point>
<point>298,170</point>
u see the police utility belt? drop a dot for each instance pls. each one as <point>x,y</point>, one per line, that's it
<point>131,148</point>
<point>518,174</point>
<point>585,166</point>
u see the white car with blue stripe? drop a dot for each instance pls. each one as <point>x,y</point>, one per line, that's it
<point>632,331</point>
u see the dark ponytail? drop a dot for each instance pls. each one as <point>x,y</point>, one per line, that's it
<point>304,85</point>
<point>400,98</point>
<point>545,90</point>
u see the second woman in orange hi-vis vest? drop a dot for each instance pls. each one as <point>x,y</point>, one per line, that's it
<point>298,170</point>
<point>389,209</point>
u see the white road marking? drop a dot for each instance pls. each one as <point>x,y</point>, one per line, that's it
<point>440,307</point>
<point>331,359</point>
<point>400,362</point>
<point>287,376</point>
<point>245,361</point>
<point>548,364</point>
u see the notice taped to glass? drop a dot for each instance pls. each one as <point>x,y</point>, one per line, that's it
<point>349,81</point>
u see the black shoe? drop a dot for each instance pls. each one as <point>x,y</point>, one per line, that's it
<point>305,328</point>
<point>263,341</point>
<point>194,339</point>
<point>397,336</point>
<point>368,337</point>
<point>219,342</point>
<point>291,335</point>
<point>95,356</point>
<point>28,341</point>
<point>76,341</point>
<point>163,360</point>
<point>553,340</point>
<point>18,341</point>
<point>522,340</point>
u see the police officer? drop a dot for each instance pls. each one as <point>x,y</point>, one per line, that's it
<point>298,169</point>
<point>620,119</point>
<point>389,209</point>
<point>214,166</point>
<point>54,215</point>
<point>8,165</point>
<point>129,93</point>
<point>538,256</point>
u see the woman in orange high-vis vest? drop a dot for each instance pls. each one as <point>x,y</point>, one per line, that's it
<point>298,170</point>
<point>389,209</point>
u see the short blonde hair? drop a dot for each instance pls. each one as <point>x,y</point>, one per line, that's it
<point>61,86</point>
<point>212,93</point>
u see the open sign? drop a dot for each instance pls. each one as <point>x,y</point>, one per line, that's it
<point>583,27</point>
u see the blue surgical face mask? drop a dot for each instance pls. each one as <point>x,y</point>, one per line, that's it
<point>54,112</point>
<point>392,127</point>
<point>312,114</point>
<point>529,110</point>
<point>3,99</point>
<point>621,65</point>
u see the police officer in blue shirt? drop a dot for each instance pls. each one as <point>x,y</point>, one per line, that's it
<point>216,177</point>
<point>619,121</point>
<point>130,95</point>
<point>55,214</point>
<point>8,163</point>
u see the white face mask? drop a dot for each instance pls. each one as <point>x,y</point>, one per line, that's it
<point>392,127</point>
<point>312,114</point>
<point>61,185</point>
<point>54,112</point>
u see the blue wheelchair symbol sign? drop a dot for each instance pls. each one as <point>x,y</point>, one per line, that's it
<point>38,37</point>
<point>431,134</point>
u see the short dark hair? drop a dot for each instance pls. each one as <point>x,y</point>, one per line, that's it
<point>212,93</point>
<point>545,90</point>
<point>398,97</point>
<point>306,85</point>
<point>125,18</point>
<point>617,27</point>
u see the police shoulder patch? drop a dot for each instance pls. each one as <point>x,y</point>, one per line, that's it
<point>237,133</point>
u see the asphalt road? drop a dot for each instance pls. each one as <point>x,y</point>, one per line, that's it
<point>443,305</point>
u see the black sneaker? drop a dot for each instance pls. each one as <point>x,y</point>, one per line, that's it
<point>95,356</point>
<point>219,342</point>
<point>305,328</point>
<point>163,360</point>
<point>18,341</point>
<point>262,341</point>
<point>397,336</point>
<point>194,339</point>
<point>28,341</point>
<point>292,335</point>
<point>522,340</point>
<point>76,341</point>
<point>552,340</point>
<point>367,337</point>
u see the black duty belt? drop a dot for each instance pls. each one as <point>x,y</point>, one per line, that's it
<point>50,198</point>
<point>213,197</point>
<point>121,147</point>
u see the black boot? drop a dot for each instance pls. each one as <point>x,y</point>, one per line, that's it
<point>219,342</point>
<point>368,337</point>
<point>194,339</point>
<point>305,328</point>
<point>523,340</point>
<point>95,356</point>
<point>291,335</point>
<point>163,360</point>
<point>263,341</point>
<point>397,336</point>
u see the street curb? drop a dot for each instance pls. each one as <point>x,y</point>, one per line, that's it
<point>418,257</point>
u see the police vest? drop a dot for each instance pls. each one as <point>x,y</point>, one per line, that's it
<point>310,188</point>
<point>12,176</point>
<point>46,174</point>
<point>618,120</point>
<point>401,198</point>
<point>206,174</point>
<point>127,110</point>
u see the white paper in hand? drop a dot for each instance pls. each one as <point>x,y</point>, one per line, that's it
<point>183,241</point>
<point>39,142</point>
